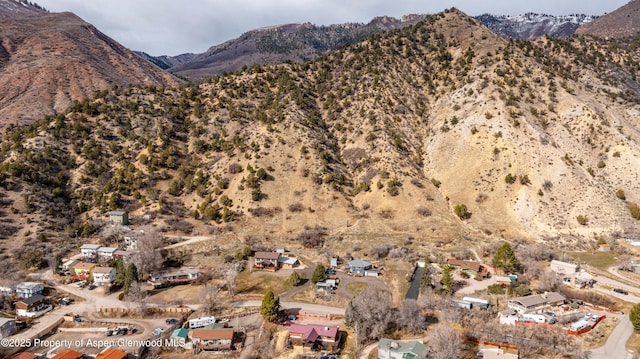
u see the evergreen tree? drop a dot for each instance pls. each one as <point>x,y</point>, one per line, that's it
<point>120,272</point>
<point>270,309</point>
<point>425,278</point>
<point>505,259</point>
<point>447,279</point>
<point>319,274</point>
<point>130,277</point>
<point>634,317</point>
<point>294,279</point>
<point>57,265</point>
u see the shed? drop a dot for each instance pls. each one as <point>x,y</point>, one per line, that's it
<point>121,217</point>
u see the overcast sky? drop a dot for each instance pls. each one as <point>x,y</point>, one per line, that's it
<point>172,27</point>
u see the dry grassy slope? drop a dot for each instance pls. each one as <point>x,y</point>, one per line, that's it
<point>623,22</point>
<point>52,59</point>
<point>445,100</point>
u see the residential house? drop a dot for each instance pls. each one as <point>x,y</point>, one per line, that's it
<point>564,268</point>
<point>120,217</point>
<point>498,354</point>
<point>220,339</point>
<point>112,354</point>
<point>28,289</point>
<point>393,349</point>
<point>83,268</point>
<point>106,253</point>
<point>174,277</point>
<point>266,261</point>
<point>7,327</point>
<point>325,287</point>
<point>103,276</point>
<point>506,280</point>
<point>32,307</point>
<point>288,262</point>
<point>473,269</point>
<point>8,291</point>
<point>532,303</point>
<point>120,254</point>
<point>314,336</point>
<point>89,251</point>
<point>605,247</point>
<point>179,336</point>
<point>23,355</point>
<point>68,354</point>
<point>358,266</point>
<point>131,241</point>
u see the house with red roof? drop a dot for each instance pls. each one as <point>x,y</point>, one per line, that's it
<point>314,336</point>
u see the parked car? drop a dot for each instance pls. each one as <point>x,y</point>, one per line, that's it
<point>331,271</point>
<point>157,331</point>
<point>621,291</point>
<point>171,321</point>
<point>109,332</point>
<point>92,286</point>
<point>81,284</point>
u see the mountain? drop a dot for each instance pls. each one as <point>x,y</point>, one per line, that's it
<point>437,134</point>
<point>278,44</point>
<point>530,26</point>
<point>165,62</point>
<point>623,22</point>
<point>48,60</point>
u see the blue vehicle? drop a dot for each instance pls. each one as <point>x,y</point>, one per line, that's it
<point>171,321</point>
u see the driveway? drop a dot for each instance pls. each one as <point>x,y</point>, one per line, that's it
<point>615,345</point>
<point>307,307</point>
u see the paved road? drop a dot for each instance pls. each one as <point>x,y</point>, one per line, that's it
<point>615,345</point>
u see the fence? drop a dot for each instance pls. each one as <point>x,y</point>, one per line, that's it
<point>148,310</point>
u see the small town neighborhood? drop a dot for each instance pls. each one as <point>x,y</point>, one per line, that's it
<point>83,297</point>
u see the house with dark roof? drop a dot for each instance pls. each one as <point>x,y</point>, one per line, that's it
<point>314,336</point>
<point>217,339</point>
<point>266,261</point>
<point>532,303</point>
<point>32,307</point>
<point>7,327</point>
<point>393,349</point>
<point>172,277</point>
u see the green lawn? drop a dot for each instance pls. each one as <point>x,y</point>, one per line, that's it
<point>601,260</point>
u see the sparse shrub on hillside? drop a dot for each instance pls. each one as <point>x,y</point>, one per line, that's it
<point>423,211</point>
<point>386,213</point>
<point>547,185</point>
<point>620,194</point>
<point>393,186</point>
<point>601,164</point>
<point>582,220</point>
<point>488,115</point>
<point>634,209</point>
<point>616,154</point>
<point>416,182</point>
<point>312,237</point>
<point>524,180</point>
<point>591,171</point>
<point>462,211</point>
<point>360,187</point>
<point>380,251</point>
<point>481,198</point>
<point>265,212</point>
<point>296,207</point>
<point>510,179</point>
<point>235,168</point>
<point>436,182</point>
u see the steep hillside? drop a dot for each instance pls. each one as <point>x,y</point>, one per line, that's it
<point>530,26</point>
<point>48,60</point>
<point>165,62</point>
<point>279,44</point>
<point>417,137</point>
<point>623,22</point>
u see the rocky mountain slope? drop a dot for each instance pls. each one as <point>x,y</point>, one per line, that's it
<point>623,22</point>
<point>48,60</point>
<point>415,137</point>
<point>530,26</point>
<point>278,44</point>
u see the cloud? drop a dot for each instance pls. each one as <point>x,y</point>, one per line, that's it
<point>172,27</point>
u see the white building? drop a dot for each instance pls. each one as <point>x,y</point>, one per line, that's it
<point>564,267</point>
<point>89,251</point>
<point>106,253</point>
<point>29,289</point>
<point>104,276</point>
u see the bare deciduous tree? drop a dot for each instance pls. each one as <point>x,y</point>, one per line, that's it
<point>410,317</point>
<point>370,312</point>
<point>230,276</point>
<point>148,258</point>
<point>209,297</point>
<point>445,341</point>
<point>138,296</point>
